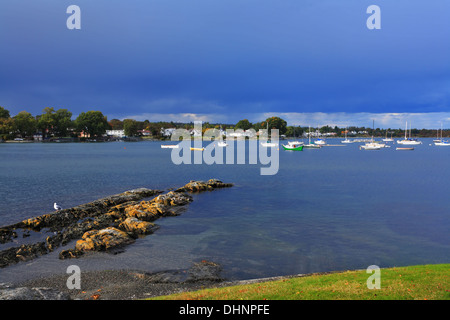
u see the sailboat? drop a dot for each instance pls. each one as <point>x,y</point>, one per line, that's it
<point>268,143</point>
<point>346,140</point>
<point>311,145</point>
<point>372,144</point>
<point>408,141</point>
<point>441,142</point>
<point>388,139</point>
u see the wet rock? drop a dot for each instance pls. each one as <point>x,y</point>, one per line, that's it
<point>70,254</point>
<point>6,234</point>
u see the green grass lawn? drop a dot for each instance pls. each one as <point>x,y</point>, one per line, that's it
<point>423,282</point>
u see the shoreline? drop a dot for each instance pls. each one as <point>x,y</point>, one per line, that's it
<point>139,285</point>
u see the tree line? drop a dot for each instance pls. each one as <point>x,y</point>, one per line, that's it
<point>93,124</point>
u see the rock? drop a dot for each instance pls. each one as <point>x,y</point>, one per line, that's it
<point>70,253</point>
<point>145,210</point>
<point>198,186</point>
<point>205,271</point>
<point>102,224</point>
<point>173,199</point>
<point>7,234</point>
<point>24,293</point>
<point>103,240</point>
<point>66,217</point>
<point>135,226</point>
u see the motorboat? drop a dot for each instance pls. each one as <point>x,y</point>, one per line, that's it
<point>320,142</point>
<point>293,146</point>
<point>370,146</point>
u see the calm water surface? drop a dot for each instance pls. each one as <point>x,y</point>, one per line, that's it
<point>335,208</point>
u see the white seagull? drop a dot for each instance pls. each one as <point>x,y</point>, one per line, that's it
<point>57,206</point>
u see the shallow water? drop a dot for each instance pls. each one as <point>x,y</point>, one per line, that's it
<point>335,208</point>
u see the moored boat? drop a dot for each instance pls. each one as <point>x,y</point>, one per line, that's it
<point>409,141</point>
<point>293,146</point>
<point>169,146</point>
<point>370,146</point>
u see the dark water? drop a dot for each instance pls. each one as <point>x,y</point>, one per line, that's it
<point>330,209</point>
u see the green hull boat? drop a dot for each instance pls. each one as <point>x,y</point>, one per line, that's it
<point>293,147</point>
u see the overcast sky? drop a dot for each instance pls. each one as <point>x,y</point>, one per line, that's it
<point>314,62</point>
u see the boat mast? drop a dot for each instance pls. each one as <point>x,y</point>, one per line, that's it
<point>406,129</point>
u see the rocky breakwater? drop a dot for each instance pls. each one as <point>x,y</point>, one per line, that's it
<point>101,225</point>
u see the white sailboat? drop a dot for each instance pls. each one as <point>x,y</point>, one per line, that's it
<point>346,139</point>
<point>268,143</point>
<point>409,141</point>
<point>372,144</point>
<point>441,142</point>
<point>311,145</point>
<point>388,139</point>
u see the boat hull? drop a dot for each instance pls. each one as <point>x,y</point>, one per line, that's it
<point>299,148</point>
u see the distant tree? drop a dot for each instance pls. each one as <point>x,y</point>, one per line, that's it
<point>116,124</point>
<point>243,124</point>
<point>62,122</point>
<point>6,128</point>
<point>130,127</point>
<point>292,131</point>
<point>46,121</point>
<point>275,123</point>
<point>24,124</point>
<point>4,114</point>
<point>93,123</point>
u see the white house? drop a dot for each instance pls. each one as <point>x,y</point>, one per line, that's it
<point>167,132</point>
<point>115,133</point>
